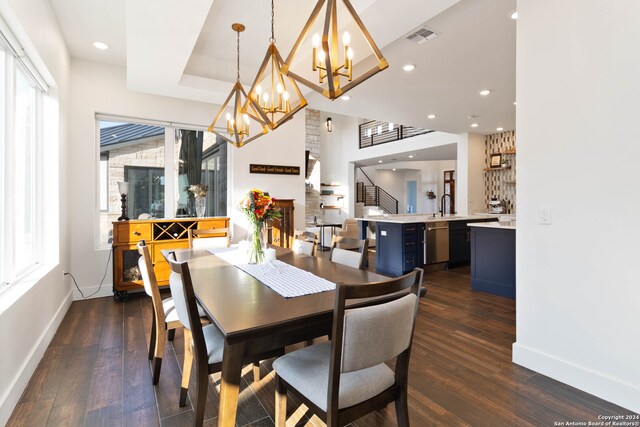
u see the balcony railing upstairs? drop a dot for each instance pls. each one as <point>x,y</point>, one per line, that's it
<point>376,132</point>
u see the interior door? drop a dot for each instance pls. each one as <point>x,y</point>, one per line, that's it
<point>450,189</point>
<point>412,196</point>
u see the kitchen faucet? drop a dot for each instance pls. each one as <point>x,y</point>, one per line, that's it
<point>442,204</point>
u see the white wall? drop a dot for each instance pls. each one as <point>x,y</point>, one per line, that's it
<point>578,297</point>
<point>336,153</point>
<point>470,196</point>
<point>32,309</point>
<point>99,88</point>
<point>285,146</point>
<point>429,174</point>
<point>340,149</point>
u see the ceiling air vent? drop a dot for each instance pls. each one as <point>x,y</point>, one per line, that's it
<point>421,35</point>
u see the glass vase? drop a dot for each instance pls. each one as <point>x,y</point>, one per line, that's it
<point>257,238</point>
<point>201,206</point>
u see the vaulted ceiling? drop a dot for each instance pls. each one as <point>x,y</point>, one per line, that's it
<point>187,50</point>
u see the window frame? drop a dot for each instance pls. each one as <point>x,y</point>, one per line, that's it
<point>170,175</point>
<point>10,65</point>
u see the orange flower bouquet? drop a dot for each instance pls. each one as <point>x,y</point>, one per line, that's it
<point>258,207</point>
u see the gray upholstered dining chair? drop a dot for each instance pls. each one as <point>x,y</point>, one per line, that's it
<point>203,344</point>
<point>305,242</point>
<point>356,258</point>
<point>346,378</point>
<point>165,318</point>
<point>209,238</point>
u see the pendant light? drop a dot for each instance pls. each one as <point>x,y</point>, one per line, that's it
<point>335,74</point>
<point>238,118</point>
<point>276,95</point>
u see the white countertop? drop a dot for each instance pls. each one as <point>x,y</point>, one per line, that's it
<point>504,225</point>
<point>413,218</point>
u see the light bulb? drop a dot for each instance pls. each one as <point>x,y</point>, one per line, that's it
<point>368,133</point>
<point>279,88</point>
<point>285,95</point>
<point>246,118</point>
<point>233,122</point>
<point>315,40</point>
<point>379,129</point>
<point>350,53</point>
<point>266,97</point>
<point>346,38</point>
<point>390,127</point>
<point>228,117</point>
<point>321,56</point>
<point>258,90</point>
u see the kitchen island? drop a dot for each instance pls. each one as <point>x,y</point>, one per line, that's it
<point>493,258</point>
<point>404,242</point>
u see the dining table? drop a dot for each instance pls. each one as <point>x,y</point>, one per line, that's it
<point>255,319</point>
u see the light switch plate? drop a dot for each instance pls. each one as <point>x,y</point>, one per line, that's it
<point>383,233</point>
<point>544,216</point>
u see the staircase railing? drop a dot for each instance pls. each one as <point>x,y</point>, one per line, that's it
<point>372,195</point>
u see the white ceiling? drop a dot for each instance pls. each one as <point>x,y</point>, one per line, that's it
<point>187,50</point>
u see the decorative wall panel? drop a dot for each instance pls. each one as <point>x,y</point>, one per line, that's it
<point>501,183</point>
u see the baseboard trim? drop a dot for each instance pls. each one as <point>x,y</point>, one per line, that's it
<point>589,381</point>
<point>105,291</point>
<point>11,398</point>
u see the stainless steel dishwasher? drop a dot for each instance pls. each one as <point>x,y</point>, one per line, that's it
<point>437,242</point>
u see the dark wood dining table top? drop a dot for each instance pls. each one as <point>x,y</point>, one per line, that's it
<point>244,308</point>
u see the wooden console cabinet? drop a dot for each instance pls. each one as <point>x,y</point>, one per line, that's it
<point>158,234</point>
<point>281,230</point>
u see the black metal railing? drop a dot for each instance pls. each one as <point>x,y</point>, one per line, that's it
<point>376,132</point>
<point>372,195</point>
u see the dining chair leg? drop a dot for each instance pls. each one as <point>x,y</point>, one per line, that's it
<point>281,403</point>
<point>202,384</point>
<point>152,339</point>
<point>186,367</point>
<point>402,408</point>
<point>171,334</point>
<point>157,355</point>
<point>256,372</point>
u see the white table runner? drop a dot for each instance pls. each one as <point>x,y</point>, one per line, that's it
<point>285,279</point>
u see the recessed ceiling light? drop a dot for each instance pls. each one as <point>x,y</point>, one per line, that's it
<point>379,161</point>
<point>499,129</point>
<point>409,67</point>
<point>431,116</point>
<point>411,156</point>
<point>474,125</point>
<point>393,169</point>
<point>101,45</point>
<point>345,97</point>
<point>485,92</point>
<point>514,15</point>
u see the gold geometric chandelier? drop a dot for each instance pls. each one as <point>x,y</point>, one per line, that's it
<point>276,95</point>
<point>332,69</point>
<point>242,110</point>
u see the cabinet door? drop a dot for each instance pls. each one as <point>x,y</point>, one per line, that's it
<point>126,274</point>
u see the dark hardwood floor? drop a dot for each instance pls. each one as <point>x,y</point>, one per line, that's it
<point>96,372</point>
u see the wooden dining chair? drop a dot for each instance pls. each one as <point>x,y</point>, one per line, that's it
<point>356,258</point>
<point>165,320</point>
<point>208,238</point>
<point>203,344</point>
<point>305,242</point>
<point>346,378</point>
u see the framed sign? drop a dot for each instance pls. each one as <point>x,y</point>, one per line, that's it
<point>274,169</point>
<point>496,160</point>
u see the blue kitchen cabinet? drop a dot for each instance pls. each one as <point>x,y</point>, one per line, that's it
<point>399,247</point>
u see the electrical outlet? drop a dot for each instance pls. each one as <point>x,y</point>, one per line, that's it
<point>544,216</point>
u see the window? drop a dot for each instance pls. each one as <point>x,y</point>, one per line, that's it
<point>159,162</point>
<point>21,97</point>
